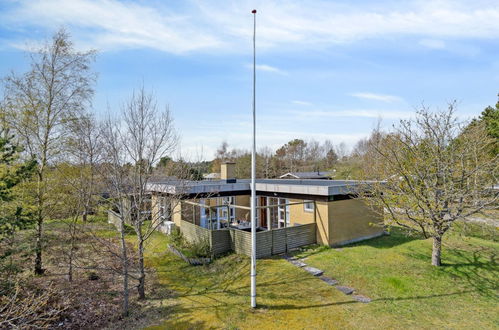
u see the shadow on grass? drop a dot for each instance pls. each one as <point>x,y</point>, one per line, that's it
<point>289,306</point>
<point>478,267</point>
<point>396,237</point>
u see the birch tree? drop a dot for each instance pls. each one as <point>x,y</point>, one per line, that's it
<point>133,146</point>
<point>41,102</point>
<point>433,171</point>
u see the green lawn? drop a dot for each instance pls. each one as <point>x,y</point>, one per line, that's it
<point>394,271</point>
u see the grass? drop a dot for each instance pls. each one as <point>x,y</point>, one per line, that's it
<point>394,271</point>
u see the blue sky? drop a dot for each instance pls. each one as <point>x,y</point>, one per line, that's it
<point>326,69</point>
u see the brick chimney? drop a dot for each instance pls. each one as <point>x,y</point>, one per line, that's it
<point>227,170</point>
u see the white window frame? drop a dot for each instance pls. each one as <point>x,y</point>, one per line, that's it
<point>222,211</point>
<point>306,205</point>
<point>281,210</point>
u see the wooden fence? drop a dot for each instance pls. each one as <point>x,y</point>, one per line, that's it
<point>219,240</point>
<point>268,243</point>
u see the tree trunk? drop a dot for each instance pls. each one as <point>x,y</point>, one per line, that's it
<point>125,267</point>
<point>38,247</point>
<point>39,225</point>
<point>142,277</point>
<point>437,250</point>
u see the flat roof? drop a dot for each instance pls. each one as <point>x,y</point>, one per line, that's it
<point>291,186</point>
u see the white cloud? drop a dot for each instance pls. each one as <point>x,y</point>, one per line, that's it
<point>432,43</point>
<point>110,24</point>
<point>363,113</point>
<point>377,97</point>
<point>267,68</point>
<point>227,25</point>
<point>301,102</point>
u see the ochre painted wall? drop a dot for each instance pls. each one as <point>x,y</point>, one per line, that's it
<point>154,207</point>
<point>298,215</point>
<point>177,213</point>
<point>241,214</point>
<point>352,219</point>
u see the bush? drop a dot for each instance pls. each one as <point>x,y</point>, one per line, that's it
<point>200,248</point>
<point>24,307</point>
<point>177,238</point>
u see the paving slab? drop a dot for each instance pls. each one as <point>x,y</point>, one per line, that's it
<point>298,263</point>
<point>362,299</point>
<point>345,289</point>
<point>313,271</point>
<point>329,280</point>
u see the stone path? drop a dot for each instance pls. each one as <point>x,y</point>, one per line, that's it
<point>319,273</point>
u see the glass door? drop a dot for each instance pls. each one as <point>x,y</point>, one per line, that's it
<point>283,213</point>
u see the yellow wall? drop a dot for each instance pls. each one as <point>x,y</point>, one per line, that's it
<point>241,214</point>
<point>177,213</point>
<point>154,206</point>
<point>352,219</point>
<point>298,215</point>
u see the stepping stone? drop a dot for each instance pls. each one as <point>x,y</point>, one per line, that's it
<point>345,289</point>
<point>313,271</point>
<point>298,263</point>
<point>288,258</point>
<point>329,280</point>
<point>362,299</point>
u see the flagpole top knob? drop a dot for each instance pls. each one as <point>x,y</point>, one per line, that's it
<point>254,11</point>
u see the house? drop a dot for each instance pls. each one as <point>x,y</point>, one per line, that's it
<point>290,213</point>
<point>308,175</point>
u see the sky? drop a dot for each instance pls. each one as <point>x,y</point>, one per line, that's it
<point>325,69</point>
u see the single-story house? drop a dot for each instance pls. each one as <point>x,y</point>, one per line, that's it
<point>308,175</point>
<point>302,211</point>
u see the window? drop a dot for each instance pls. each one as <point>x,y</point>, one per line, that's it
<point>164,209</point>
<point>282,213</point>
<point>222,211</point>
<point>308,206</point>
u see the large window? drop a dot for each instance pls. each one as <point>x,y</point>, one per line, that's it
<point>308,206</point>
<point>226,213</point>
<point>283,213</point>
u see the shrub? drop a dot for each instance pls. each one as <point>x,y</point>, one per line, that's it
<point>177,238</point>
<point>200,248</point>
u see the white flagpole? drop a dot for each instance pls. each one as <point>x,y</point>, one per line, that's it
<point>253,175</point>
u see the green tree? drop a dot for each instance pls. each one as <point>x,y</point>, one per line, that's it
<point>41,104</point>
<point>12,173</point>
<point>490,118</point>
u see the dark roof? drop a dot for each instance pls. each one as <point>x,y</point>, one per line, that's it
<point>295,186</point>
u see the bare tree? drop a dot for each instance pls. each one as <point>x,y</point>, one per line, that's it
<point>434,172</point>
<point>41,102</point>
<point>132,147</point>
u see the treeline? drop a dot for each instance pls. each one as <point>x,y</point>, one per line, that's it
<point>295,156</point>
